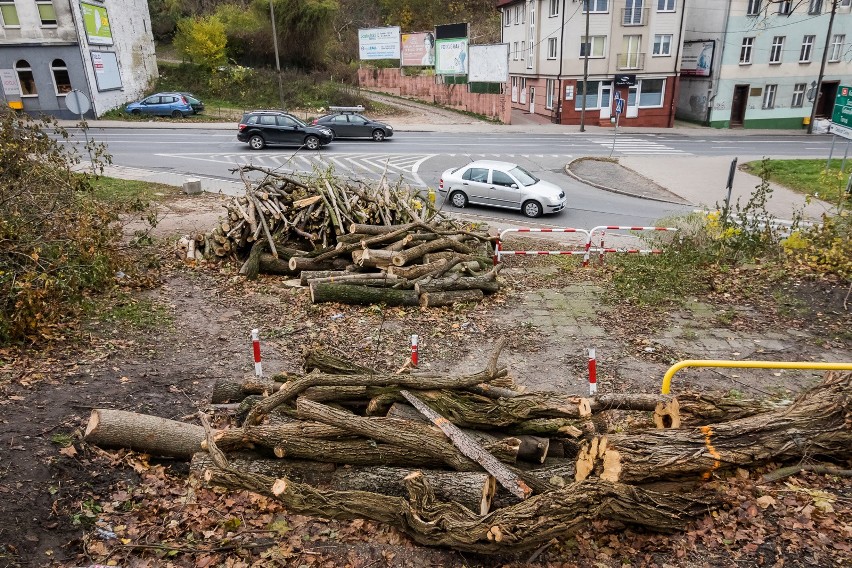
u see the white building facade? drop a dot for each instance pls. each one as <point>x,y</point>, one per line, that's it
<point>49,47</point>
<point>634,49</point>
<point>762,62</point>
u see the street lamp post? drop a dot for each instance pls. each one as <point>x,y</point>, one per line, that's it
<point>822,66</point>
<point>277,60</point>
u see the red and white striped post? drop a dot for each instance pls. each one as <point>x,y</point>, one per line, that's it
<point>255,341</point>
<point>593,373</point>
<point>414,355</point>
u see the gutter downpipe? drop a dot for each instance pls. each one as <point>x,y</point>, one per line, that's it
<point>586,67</point>
<point>561,60</point>
<point>673,106</point>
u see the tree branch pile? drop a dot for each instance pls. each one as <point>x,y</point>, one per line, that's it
<point>351,242</point>
<point>475,463</point>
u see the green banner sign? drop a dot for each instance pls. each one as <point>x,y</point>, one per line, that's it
<point>96,23</point>
<point>842,114</point>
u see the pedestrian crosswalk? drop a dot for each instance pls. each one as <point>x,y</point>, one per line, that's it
<point>631,146</point>
<point>391,166</point>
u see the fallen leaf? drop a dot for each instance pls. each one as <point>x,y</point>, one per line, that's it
<point>766,501</point>
<point>70,451</point>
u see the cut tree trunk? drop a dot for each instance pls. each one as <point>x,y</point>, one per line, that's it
<point>361,295</point>
<point>816,424</point>
<point>331,364</point>
<point>143,433</point>
<point>706,408</point>
<point>404,257</point>
<point>307,275</point>
<point>437,299</point>
<point>486,282</point>
<point>268,264</point>
<point>228,390</point>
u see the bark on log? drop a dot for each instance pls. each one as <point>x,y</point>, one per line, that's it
<point>417,270</point>
<point>230,390</point>
<point>474,490</point>
<point>707,408</point>
<point>307,275</point>
<point>818,423</point>
<point>404,257</point>
<point>437,299</point>
<point>514,484</point>
<point>331,364</point>
<point>486,282</point>
<point>299,263</point>
<point>361,295</point>
<point>573,428</point>
<point>143,433</point>
<point>268,264</point>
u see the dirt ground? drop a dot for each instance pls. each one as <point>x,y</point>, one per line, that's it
<point>160,350</point>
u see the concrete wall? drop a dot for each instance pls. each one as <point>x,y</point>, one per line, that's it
<point>426,88</point>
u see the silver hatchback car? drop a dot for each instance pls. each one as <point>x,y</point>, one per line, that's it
<point>500,184</point>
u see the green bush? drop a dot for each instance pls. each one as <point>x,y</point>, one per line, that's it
<point>202,40</point>
<point>56,242</point>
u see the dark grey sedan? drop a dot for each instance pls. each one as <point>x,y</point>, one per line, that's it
<point>352,125</point>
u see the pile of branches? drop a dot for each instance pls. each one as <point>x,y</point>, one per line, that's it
<point>350,242</point>
<point>475,463</point>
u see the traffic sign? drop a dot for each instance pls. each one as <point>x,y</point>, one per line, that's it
<point>77,102</point>
<point>619,106</point>
<point>842,115</point>
<point>618,95</point>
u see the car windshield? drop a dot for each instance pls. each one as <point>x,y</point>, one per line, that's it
<point>296,120</point>
<point>523,176</point>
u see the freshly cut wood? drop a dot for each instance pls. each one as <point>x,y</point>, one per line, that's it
<point>404,257</point>
<point>474,490</point>
<point>231,390</point>
<point>299,263</point>
<point>307,275</point>
<point>417,270</point>
<point>143,433</point>
<point>816,424</point>
<point>437,299</point>
<point>373,257</point>
<point>641,402</point>
<point>270,265</point>
<point>361,295</point>
<point>505,477</point>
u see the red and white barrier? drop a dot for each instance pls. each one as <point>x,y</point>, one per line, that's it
<point>593,373</point>
<point>602,249</point>
<point>499,252</point>
<point>414,350</point>
<point>255,341</point>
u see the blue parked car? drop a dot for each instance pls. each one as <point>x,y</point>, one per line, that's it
<point>175,105</point>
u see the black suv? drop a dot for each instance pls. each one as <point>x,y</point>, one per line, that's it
<point>263,127</point>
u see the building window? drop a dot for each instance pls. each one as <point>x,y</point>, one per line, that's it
<point>591,99</point>
<point>519,14</point>
<point>666,5</point>
<point>662,44</point>
<point>514,51</point>
<point>785,7</point>
<point>514,89</point>
<point>815,7</point>
<point>777,49</point>
<point>531,36</point>
<point>550,89</point>
<point>596,47</point>
<point>554,8</point>
<point>633,13</point>
<point>551,48</point>
<point>651,92</point>
<point>46,12</point>
<point>26,79</point>
<point>753,8</point>
<point>9,14</point>
<point>835,50</point>
<point>807,47</point>
<point>745,51</point>
<point>597,6</point>
<point>523,49</point>
<point>769,96</point>
<point>632,52</point>
<point>61,79</point>
<point>507,17</point>
<point>798,95</point>
<point>845,3</point>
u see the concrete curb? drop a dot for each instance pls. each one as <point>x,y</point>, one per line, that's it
<point>569,173</point>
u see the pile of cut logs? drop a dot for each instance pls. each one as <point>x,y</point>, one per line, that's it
<point>350,242</point>
<point>475,463</point>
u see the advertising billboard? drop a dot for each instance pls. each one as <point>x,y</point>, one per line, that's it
<point>488,63</point>
<point>451,56</point>
<point>697,58</point>
<point>378,43</point>
<point>418,49</point>
<point>96,23</point>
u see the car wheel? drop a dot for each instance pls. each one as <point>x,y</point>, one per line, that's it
<point>378,135</point>
<point>312,143</point>
<point>136,112</point>
<point>177,114</point>
<point>333,134</point>
<point>458,199</point>
<point>257,142</point>
<point>531,208</point>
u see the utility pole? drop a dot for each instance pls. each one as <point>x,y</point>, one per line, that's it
<point>277,60</point>
<point>587,49</point>
<point>822,65</point>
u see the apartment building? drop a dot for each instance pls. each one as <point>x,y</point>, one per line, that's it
<point>764,61</point>
<point>49,47</point>
<point>633,51</point>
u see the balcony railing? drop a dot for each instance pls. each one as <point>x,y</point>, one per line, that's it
<point>634,16</point>
<point>627,61</point>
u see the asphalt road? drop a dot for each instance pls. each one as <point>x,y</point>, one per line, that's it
<point>420,157</point>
